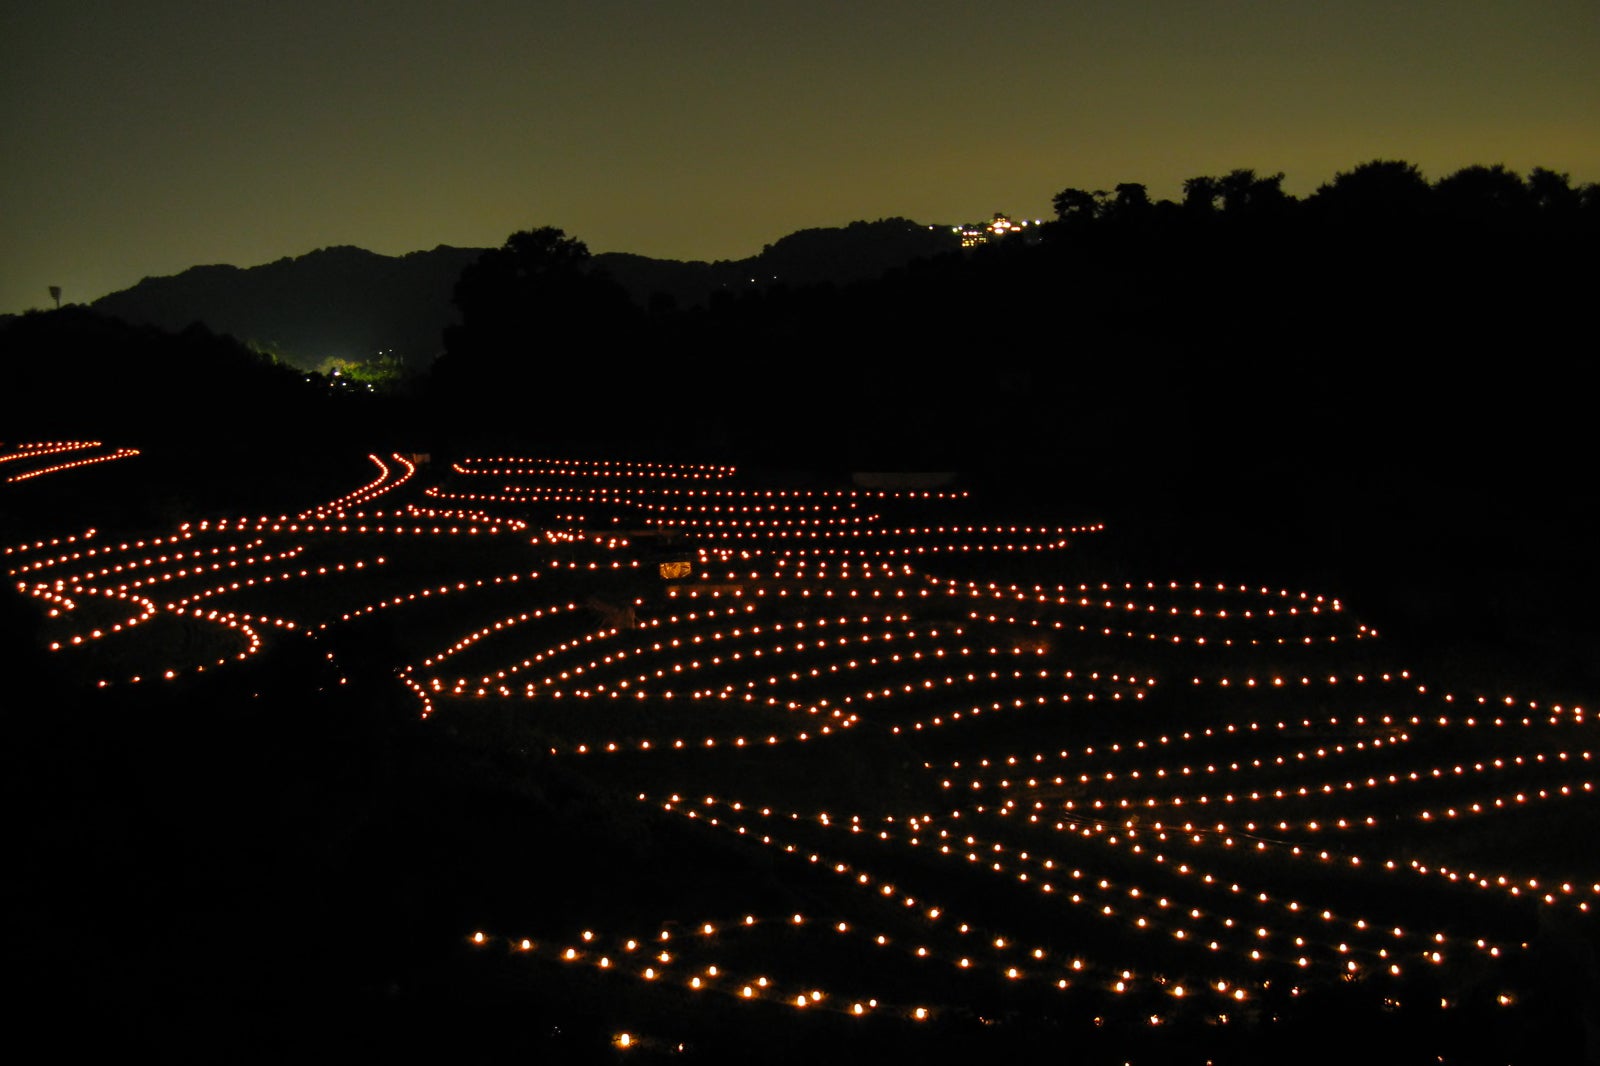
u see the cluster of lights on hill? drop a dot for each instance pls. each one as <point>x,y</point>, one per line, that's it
<point>1170,801</point>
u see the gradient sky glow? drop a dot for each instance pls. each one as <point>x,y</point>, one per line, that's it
<point>143,138</point>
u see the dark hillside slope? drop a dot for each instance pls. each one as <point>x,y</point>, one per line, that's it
<point>344,303</point>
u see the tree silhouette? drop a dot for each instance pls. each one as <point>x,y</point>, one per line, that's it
<point>521,276</point>
<point>1484,192</point>
<point>1552,192</point>
<point>1132,202</point>
<point>1200,194</point>
<point>1376,191</point>
<point>1244,193</point>
<point>1077,205</point>
<point>538,326</point>
<point>1235,186</point>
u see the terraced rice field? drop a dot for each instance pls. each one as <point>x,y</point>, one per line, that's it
<point>981,788</point>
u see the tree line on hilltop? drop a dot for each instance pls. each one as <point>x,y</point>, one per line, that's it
<point>1128,333</point>
<point>1380,192</point>
<point>1236,300</point>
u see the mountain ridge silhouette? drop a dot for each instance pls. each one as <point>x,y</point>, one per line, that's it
<point>349,303</point>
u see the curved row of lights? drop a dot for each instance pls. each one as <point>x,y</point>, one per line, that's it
<point>1154,801</point>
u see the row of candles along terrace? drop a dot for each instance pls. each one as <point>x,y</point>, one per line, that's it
<point>1192,833</point>
<point>368,491</point>
<point>967,949</point>
<point>1070,823</point>
<point>1366,946</point>
<point>1394,733</point>
<point>781,582</point>
<point>33,451</point>
<point>131,568</point>
<point>858,1005</point>
<point>337,517</point>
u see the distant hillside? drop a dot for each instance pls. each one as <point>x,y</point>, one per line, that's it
<point>335,302</point>
<point>77,374</point>
<point>861,251</point>
<point>349,303</point>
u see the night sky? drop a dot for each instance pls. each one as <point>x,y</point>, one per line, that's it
<point>143,138</point>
